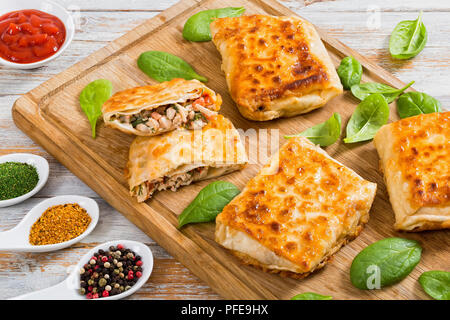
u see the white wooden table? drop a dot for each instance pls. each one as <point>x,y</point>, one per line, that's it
<point>364,25</point>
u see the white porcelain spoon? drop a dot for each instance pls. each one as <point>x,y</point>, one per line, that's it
<point>68,289</point>
<point>16,239</point>
<point>42,169</point>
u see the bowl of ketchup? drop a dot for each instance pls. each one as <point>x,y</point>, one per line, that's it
<point>33,32</point>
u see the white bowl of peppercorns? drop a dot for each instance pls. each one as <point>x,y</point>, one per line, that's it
<point>114,270</point>
<point>132,259</point>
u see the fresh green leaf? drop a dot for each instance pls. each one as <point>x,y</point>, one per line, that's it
<point>209,202</point>
<point>197,28</point>
<point>163,66</point>
<point>369,116</point>
<point>415,103</point>
<point>362,91</point>
<point>325,133</point>
<point>311,296</point>
<point>350,72</point>
<point>436,284</point>
<point>92,98</point>
<point>408,38</point>
<point>384,262</point>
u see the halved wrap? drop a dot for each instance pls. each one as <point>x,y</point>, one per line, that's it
<point>183,156</point>
<point>155,109</point>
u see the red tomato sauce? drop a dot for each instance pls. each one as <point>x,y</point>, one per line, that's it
<point>28,36</point>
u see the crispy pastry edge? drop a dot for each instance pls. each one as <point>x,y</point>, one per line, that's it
<point>248,260</point>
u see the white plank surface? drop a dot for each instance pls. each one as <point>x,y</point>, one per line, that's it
<point>104,20</point>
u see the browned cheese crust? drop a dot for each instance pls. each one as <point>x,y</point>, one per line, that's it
<point>415,159</point>
<point>300,209</point>
<point>275,66</point>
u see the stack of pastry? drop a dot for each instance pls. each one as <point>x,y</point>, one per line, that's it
<point>180,136</point>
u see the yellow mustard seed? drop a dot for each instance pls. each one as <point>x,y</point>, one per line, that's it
<point>59,224</point>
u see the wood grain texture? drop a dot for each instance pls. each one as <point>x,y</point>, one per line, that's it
<point>345,19</point>
<point>42,113</point>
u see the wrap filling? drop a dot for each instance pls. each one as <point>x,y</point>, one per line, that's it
<point>192,114</point>
<point>146,189</point>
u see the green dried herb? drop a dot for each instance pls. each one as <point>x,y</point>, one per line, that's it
<point>17,179</point>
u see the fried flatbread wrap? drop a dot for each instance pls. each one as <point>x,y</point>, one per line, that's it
<point>300,209</point>
<point>415,159</point>
<point>274,66</point>
<point>183,156</point>
<point>155,109</point>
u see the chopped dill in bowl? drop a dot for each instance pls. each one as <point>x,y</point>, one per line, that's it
<point>17,179</point>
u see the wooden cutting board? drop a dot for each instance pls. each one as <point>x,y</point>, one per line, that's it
<point>51,116</point>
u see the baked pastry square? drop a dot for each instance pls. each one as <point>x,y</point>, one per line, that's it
<point>160,108</point>
<point>274,66</point>
<point>183,156</point>
<point>297,212</point>
<point>415,159</point>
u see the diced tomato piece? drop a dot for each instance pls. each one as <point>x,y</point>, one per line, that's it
<point>19,56</point>
<point>13,29</point>
<point>21,18</point>
<point>23,42</point>
<point>200,101</point>
<point>36,21</point>
<point>8,39</point>
<point>208,100</point>
<point>50,29</point>
<point>39,38</point>
<point>49,47</point>
<point>27,27</point>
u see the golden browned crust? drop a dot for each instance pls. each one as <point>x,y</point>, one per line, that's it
<point>302,206</point>
<point>275,66</point>
<point>415,159</point>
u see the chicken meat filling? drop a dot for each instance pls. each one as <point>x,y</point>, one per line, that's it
<point>146,189</point>
<point>191,115</point>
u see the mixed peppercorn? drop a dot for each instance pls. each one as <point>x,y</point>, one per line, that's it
<point>110,272</point>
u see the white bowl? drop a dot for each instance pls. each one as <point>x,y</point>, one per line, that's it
<point>69,288</point>
<point>41,166</point>
<point>17,238</point>
<point>45,6</point>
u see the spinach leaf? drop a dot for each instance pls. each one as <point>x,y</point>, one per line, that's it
<point>369,116</point>
<point>384,262</point>
<point>436,284</point>
<point>350,72</point>
<point>415,103</point>
<point>311,296</point>
<point>197,28</point>
<point>136,122</point>
<point>209,202</point>
<point>362,91</point>
<point>163,66</point>
<point>325,133</point>
<point>92,98</point>
<point>408,38</point>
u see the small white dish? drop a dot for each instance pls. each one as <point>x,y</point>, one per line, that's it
<point>41,166</point>
<point>45,6</point>
<point>69,288</point>
<point>17,239</point>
